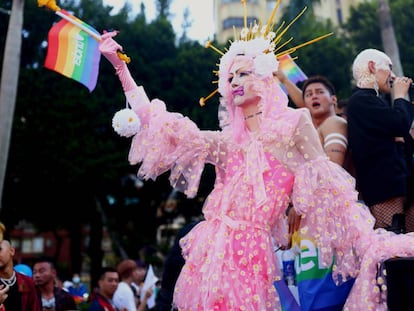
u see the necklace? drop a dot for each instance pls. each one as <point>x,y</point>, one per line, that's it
<point>11,281</point>
<point>48,303</point>
<point>252,115</point>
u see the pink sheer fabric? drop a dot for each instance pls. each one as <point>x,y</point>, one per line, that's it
<point>230,262</point>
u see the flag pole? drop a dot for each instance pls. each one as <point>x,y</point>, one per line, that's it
<point>51,4</point>
<point>79,25</point>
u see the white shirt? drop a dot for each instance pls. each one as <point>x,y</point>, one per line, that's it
<point>124,297</point>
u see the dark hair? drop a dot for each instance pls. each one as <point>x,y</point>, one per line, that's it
<point>319,79</point>
<point>48,259</point>
<point>104,270</point>
<point>342,103</point>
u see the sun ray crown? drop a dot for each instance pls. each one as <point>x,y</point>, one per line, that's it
<point>258,38</point>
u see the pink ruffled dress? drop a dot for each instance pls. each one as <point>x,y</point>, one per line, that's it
<point>230,261</point>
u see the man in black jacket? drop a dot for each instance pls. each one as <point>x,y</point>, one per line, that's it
<point>378,130</point>
<point>50,296</point>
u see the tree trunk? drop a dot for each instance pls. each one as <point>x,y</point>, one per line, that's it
<point>388,36</point>
<point>9,83</point>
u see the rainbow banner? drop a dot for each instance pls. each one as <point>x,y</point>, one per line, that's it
<point>316,287</point>
<point>74,52</point>
<point>287,300</point>
<point>291,70</point>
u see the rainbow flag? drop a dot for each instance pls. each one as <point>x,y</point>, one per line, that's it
<point>291,70</point>
<point>287,300</point>
<point>72,52</point>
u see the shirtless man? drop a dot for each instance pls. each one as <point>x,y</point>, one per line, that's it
<point>318,95</point>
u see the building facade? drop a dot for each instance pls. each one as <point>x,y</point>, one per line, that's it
<point>229,13</point>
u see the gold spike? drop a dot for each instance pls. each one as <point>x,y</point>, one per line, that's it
<point>203,100</point>
<point>272,16</point>
<point>245,12</point>
<point>283,44</point>
<point>291,23</point>
<point>209,45</point>
<point>280,27</point>
<point>234,33</point>
<point>295,48</point>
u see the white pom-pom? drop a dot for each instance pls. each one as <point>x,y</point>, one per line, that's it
<point>126,122</point>
<point>266,64</point>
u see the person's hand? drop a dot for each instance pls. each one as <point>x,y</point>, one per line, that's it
<point>401,86</point>
<point>280,75</point>
<point>109,48</point>
<point>4,294</point>
<point>148,293</point>
<point>293,223</point>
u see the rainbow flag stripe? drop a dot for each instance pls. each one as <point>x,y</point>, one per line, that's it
<point>73,53</point>
<point>291,70</point>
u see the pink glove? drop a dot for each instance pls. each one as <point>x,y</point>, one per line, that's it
<point>109,48</point>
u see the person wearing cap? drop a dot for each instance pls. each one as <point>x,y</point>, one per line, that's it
<point>21,294</point>
<point>24,269</point>
<point>124,297</point>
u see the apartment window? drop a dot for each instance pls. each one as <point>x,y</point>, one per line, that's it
<point>237,22</point>
<point>339,12</point>
<point>33,245</point>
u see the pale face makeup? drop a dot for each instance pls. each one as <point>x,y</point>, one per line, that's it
<point>384,77</point>
<point>241,79</point>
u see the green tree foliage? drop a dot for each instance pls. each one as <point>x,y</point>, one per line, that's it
<point>362,27</point>
<point>318,57</point>
<point>65,156</point>
<point>363,30</point>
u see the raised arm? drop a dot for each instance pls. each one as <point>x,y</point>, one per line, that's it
<point>109,47</point>
<point>294,92</point>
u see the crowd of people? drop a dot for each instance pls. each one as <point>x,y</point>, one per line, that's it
<point>38,288</point>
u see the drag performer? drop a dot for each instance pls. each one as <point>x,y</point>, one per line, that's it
<point>266,156</point>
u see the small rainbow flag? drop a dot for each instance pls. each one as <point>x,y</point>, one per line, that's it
<point>291,70</point>
<point>73,52</point>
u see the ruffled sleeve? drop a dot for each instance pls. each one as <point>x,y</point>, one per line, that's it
<point>324,193</point>
<point>170,141</point>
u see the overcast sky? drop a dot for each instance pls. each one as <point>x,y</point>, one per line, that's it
<point>201,15</point>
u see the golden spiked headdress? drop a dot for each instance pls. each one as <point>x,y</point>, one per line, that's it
<point>261,41</point>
